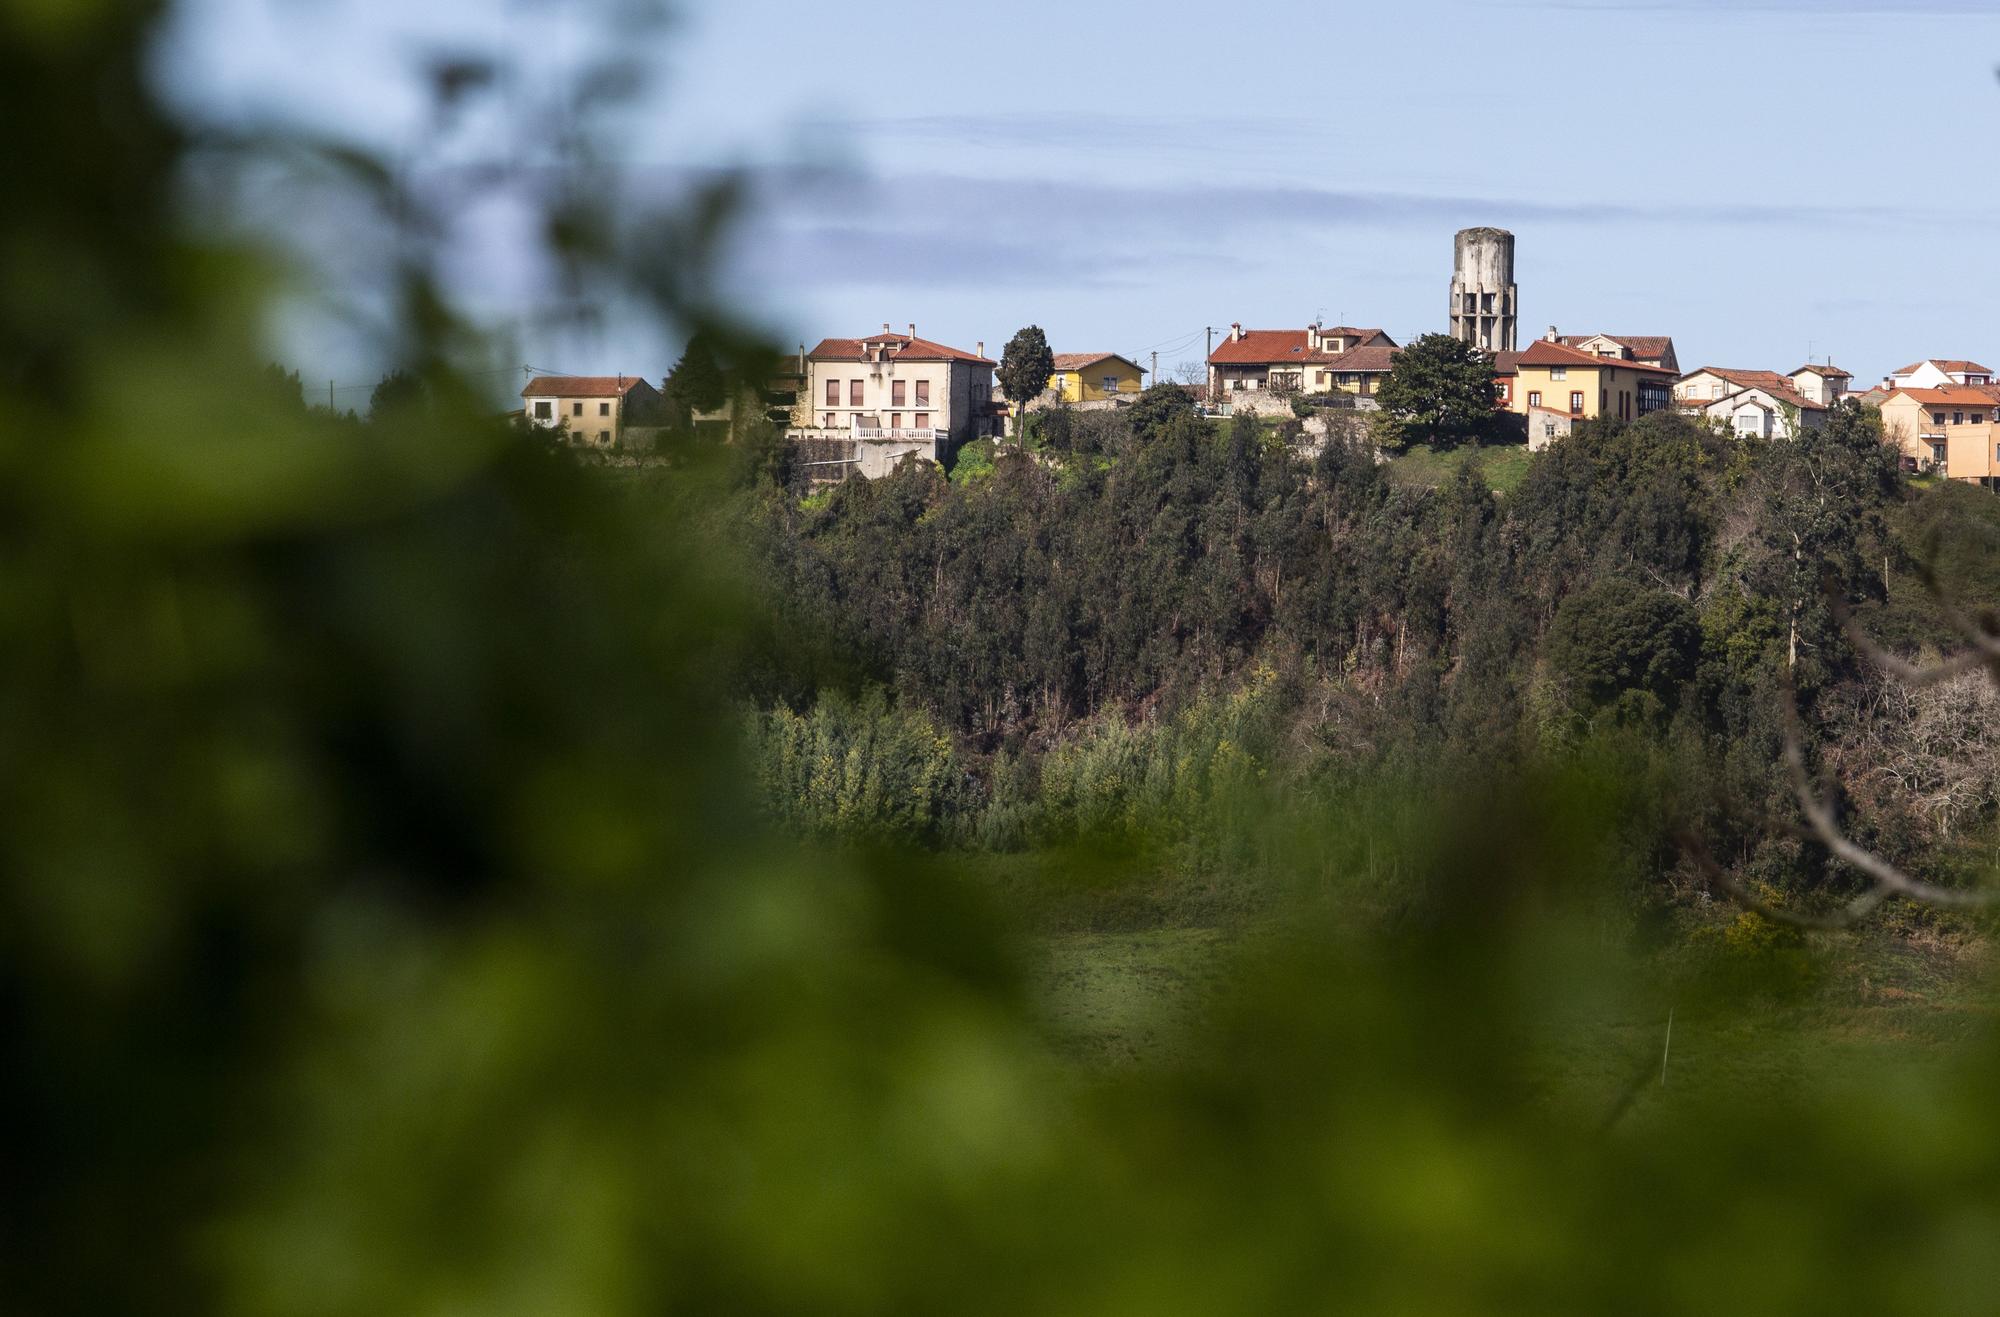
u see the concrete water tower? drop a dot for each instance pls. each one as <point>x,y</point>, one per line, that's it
<point>1485,301</point>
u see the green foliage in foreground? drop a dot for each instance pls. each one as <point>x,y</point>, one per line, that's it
<point>388,923</point>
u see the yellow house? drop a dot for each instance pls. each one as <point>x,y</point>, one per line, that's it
<point>1095,377</point>
<point>1582,385</point>
<point>1973,454</point>
<point>1942,429</point>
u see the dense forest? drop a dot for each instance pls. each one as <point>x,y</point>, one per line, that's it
<point>1151,608</point>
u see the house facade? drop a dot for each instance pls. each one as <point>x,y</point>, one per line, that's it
<point>1313,360</point>
<point>593,410</point>
<point>892,396</point>
<point>1825,385</point>
<point>1546,426</point>
<point>1082,377</point>
<point>1759,404</point>
<point>1553,377</point>
<point>1929,426</point>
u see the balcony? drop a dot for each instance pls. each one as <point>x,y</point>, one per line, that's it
<point>898,435</point>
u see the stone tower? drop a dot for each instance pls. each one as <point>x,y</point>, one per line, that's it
<point>1485,300</point>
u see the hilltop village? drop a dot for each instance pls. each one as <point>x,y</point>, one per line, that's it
<point>862,405</point>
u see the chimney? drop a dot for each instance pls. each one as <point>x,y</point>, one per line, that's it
<point>913,329</point>
<point>1553,336</point>
<point>979,349</point>
<point>885,329</point>
<point>1235,332</point>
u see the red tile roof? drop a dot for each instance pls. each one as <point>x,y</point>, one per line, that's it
<point>1645,347</point>
<point>1506,363</point>
<point>1778,386</point>
<point>1955,395</point>
<point>1079,360</point>
<point>1948,367</point>
<point>1362,361</point>
<point>1363,338</point>
<point>581,386</point>
<point>1271,347</point>
<point>1544,353</point>
<point>1825,372</point>
<point>902,348</point>
<point>1262,347</point>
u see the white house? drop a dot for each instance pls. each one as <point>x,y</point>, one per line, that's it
<point>1825,385</point>
<point>1759,403</point>
<point>1937,374</point>
<point>892,396</point>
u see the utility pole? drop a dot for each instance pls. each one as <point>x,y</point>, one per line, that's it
<point>329,395</point>
<point>1156,367</point>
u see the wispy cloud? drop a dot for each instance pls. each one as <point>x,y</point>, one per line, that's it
<point>928,230</point>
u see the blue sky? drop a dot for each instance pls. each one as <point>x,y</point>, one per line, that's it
<point>1760,180</point>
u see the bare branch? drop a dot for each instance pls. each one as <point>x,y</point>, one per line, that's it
<point>1980,632</point>
<point>1888,878</point>
<point>1908,673</point>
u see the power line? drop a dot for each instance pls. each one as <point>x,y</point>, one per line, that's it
<point>335,388</point>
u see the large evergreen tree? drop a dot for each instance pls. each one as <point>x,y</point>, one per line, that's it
<point>1025,368</point>
<point>697,383</point>
<point>399,393</point>
<point>1822,495</point>
<point>1440,392</point>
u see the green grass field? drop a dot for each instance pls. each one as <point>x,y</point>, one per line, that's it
<point>1119,997</point>
<point>1503,466</point>
<point>1874,1003</point>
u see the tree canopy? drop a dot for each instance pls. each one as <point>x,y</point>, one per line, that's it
<point>1440,391</point>
<point>1025,367</point>
<point>399,394</point>
<point>697,382</point>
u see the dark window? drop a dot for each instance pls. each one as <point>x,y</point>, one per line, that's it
<point>1958,418</point>
<point>543,410</point>
<point>604,409</point>
<point>833,393</point>
<point>854,393</point>
<point>576,409</point>
<point>896,394</point>
<point>923,393</point>
<point>1576,404</point>
<point>604,436</point>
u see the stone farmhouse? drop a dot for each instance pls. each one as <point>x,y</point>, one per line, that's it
<point>597,411</point>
